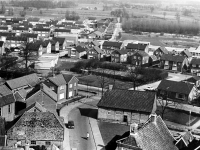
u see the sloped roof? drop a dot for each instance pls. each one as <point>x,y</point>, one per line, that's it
<point>98,50</point>
<point>31,79</point>
<point>138,46</point>
<point>58,80</point>
<point>43,126</point>
<point>121,52</point>
<point>30,35</point>
<point>60,40</point>
<point>41,29</point>
<point>113,44</point>
<point>18,97</point>
<point>141,53</point>
<point>68,77</point>
<point>95,43</point>
<point>80,49</point>
<point>174,86</point>
<point>3,28</point>
<point>62,30</point>
<point>195,61</point>
<point>34,46</point>
<point>20,28</point>
<point>17,38</point>
<point>6,96</point>
<point>128,100</point>
<point>7,34</point>
<point>174,58</point>
<point>187,53</point>
<point>163,49</point>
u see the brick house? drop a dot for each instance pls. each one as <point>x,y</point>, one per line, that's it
<point>119,56</point>
<point>37,129</point>
<point>44,96</point>
<point>132,47</point>
<point>183,92</point>
<point>109,46</point>
<point>94,53</point>
<point>77,52</point>
<point>160,51</point>
<point>173,62</point>
<point>152,135</point>
<point>64,85</point>
<point>42,32</point>
<point>7,103</point>
<point>195,66</point>
<point>139,58</point>
<point>2,47</point>
<point>126,106</point>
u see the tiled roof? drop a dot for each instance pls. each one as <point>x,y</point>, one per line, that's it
<point>98,50</point>
<point>174,86</point>
<point>95,43</point>
<point>34,105</point>
<point>121,52</point>
<point>68,77</point>
<point>58,80</point>
<point>62,30</point>
<point>113,44</point>
<point>31,79</point>
<point>6,96</point>
<point>33,19</point>
<point>20,28</point>
<point>34,46</point>
<point>22,93</point>
<point>17,38</point>
<point>128,100</point>
<point>41,29</point>
<point>18,97</point>
<point>195,61</point>
<point>30,35</point>
<point>187,53</point>
<point>3,28</point>
<point>42,126</point>
<point>141,53</point>
<point>174,58</point>
<point>138,46</point>
<point>7,34</point>
<point>163,49</point>
<point>80,49</point>
<point>60,40</point>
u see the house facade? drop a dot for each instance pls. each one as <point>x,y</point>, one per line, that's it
<point>37,129</point>
<point>126,106</point>
<point>182,92</point>
<point>173,62</point>
<point>42,32</point>
<point>15,41</point>
<point>77,52</point>
<point>7,103</point>
<point>160,51</point>
<point>132,47</point>
<point>195,66</point>
<point>108,47</point>
<point>119,56</point>
<point>94,53</point>
<point>139,58</point>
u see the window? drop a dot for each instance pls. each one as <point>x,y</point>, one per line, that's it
<point>47,143</point>
<point>0,112</point>
<point>33,142</point>
<point>61,87</point>
<point>109,112</point>
<point>70,86</point>
<point>117,112</point>
<point>180,96</point>
<point>134,57</point>
<point>61,96</point>
<point>75,84</point>
<point>9,108</point>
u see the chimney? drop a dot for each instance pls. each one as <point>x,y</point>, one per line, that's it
<point>133,128</point>
<point>110,87</point>
<point>26,146</point>
<point>153,117</point>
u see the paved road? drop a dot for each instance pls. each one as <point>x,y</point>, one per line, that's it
<point>80,117</point>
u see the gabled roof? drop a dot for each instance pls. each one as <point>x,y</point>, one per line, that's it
<point>60,40</point>
<point>41,29</point>
<point>121,52</point>
<point>7,34</point>
<point>141,53</point>
<point>195,61</point>
<point>3,28</point>
<point>58,80</point>
<point>34,46</point>
<point>95,43</point>
<point>30,35</point>
<point>20,28</point>
<point>31,80</point>
<point>138,46</point>
<point>163,49</point>
<point>6,96</point>
<point>153,135</point>
<point>113,44</point>
<point>174,58</point>
<point>79,49</point>
<point>193,79</point>
<point>42,126</point>
<point>62,30</point>
<point>68,77</point>
<point>141,101</point>
<point>187,53</point>
<point>174,86</point>
<point>16,38</point>
<point>98,50</point>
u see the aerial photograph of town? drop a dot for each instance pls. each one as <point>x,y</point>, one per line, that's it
<point>99,74</point>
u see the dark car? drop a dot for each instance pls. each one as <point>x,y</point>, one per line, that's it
<point>70,124</point>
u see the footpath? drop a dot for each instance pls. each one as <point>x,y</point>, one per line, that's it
<point>64,111</point>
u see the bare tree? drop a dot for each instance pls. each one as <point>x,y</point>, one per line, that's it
<point>102,80</point>
<point>133,75</point>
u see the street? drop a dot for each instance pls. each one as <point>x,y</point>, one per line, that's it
<point>80,117</point>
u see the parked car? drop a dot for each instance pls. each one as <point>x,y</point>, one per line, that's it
<point>149,88</point>
<point>70,124</point>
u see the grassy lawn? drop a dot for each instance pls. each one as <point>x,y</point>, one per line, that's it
<point>93,80</point>
<point>178,116</point>
<point>111,132</point>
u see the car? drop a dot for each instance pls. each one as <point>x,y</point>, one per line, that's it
<point>70,124</point>
<point>149,88</point>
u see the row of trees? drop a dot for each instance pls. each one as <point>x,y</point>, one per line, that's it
<point>149,25</point>
<point>120,13</point>
<point>43,4</point>
<point>72,15</point>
